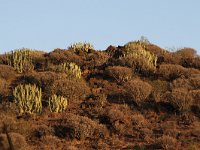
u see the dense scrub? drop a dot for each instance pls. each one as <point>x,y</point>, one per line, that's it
<point>136,96</point>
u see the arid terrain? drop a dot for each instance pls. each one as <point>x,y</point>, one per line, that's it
<point>132,97</point>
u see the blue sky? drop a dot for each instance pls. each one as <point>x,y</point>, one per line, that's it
<point>49,24</point>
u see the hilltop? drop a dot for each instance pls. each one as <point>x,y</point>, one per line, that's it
<point>135,96</point>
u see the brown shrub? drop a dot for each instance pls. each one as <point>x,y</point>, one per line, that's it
<point>195,94</point>
<point>192,62</point>
<point>7,72</point>
<point>180,99</point>
<point>72,89</point>
<point>167,142</point>
<point>59,56</point>
<point>186,53</point>
<point>171,72</point>
<point>139,121</point>
<point>57,83</point>
<point>159,87</point>
<point>79,127</point>
<point>118,73</point>
<point>192,83</point>
<point>111,50</point>
<point>4,88</point>
<point>17,140</point>
<point>169,128</point>
<point>138,90</point>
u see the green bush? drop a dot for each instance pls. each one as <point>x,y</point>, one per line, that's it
<point>28,98</point>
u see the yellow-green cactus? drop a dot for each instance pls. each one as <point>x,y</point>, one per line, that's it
<point>137,49</point>
<point>28,98</point>
<point>58,104</point>
<point>71,69</point>
<point>81,47</point>
<point>20,59</point>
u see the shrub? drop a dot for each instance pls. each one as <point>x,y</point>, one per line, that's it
<point>170,72</point>
<point>4,88</point>
<point>28,98</point>
<point>7,72</point>
<point>118,73</point>
<point>186,53</point>
<point>138,90</point>
<point>180,99</point>
<point>167,142</point>
<point>138,120</point>
<point>57,103</point>
<point>71,89</point>
<point>192,83</point>
<point>79,127</point>
<point>159,87</point>
<point>81,47</point>
<point>20,59</point>
<point>192,62</point>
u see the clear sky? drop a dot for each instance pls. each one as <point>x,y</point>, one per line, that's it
<point>49,24</point>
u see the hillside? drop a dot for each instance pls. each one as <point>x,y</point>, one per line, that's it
<point>137,96</point>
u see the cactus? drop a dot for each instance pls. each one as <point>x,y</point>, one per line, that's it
<point>57,103</point>
<point>81,47</point>
<point>20,59</point>
<point>136,49</point>
<point>71,69</point>
<point>28,98</point>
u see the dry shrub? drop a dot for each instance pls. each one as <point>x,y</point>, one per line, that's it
<point>79,127</point>
<point>192,62</point>
<point>58,83</point>
<point>4,88</point>
<point>71,89</point>
<point>44,80</point>
<point>192,83</point>
<point>59,56</point>
<point>167,142</point>
<point>169,128</point>
<point>186,53</point>
<point>159,87</point>
<point>117,119</point>
<point>17,140</point>
<point>4,145</point>
<point>51,142</point>
<point>118,73</point>
<point>180,99</point>
<point>171,72</point>
<point>111,50</point>
<point>139,121</point>
<point>195,94</point>
<point>138,90</point>
<point>7,72</point>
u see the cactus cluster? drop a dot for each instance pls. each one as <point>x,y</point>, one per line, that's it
<point>28,98</point>
<point>71,69</point>
<point>20,59</point>
<point>58,104</point>
<point>81,47</point>
<point>137,49</point>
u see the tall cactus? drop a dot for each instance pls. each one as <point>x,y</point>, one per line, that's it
<point>71,69</point>
<point>20,59</point>
<point>57,103</point>
<point>28,98</point>
<point>137,49</point>
<point>81,47</point>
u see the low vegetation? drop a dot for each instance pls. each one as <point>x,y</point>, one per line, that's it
<point>135,96</point>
